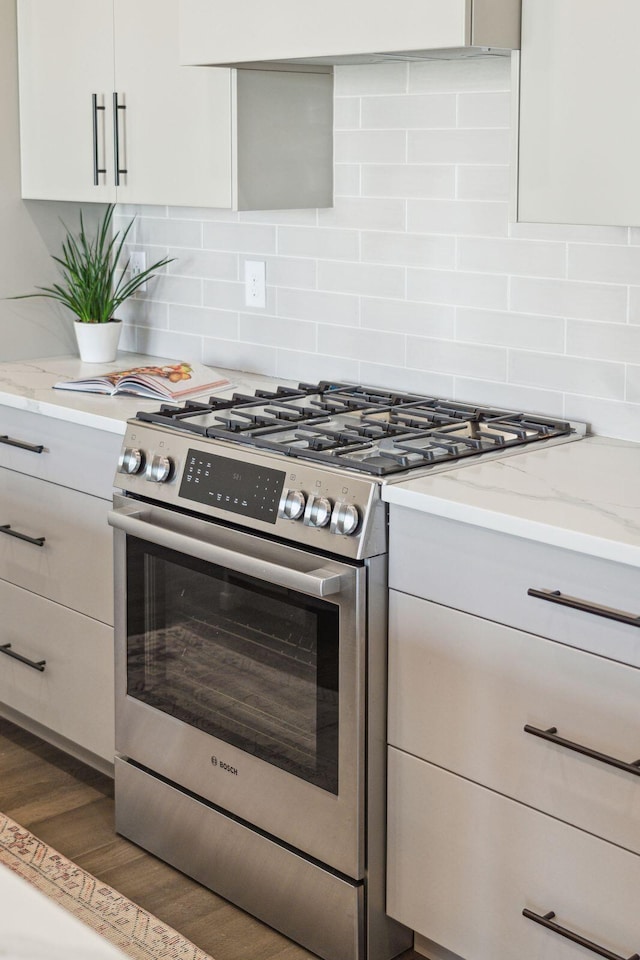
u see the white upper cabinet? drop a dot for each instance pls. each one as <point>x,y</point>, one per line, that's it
<point>358,31</point>
<point>579,141</point>
<point>109,114</point>
<point>66,78</point>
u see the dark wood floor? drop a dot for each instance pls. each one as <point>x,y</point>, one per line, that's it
<point>70,807</point>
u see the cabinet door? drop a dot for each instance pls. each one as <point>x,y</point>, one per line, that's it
<point>175,130</point>
<point>65,57</point>
<point>579,149</point>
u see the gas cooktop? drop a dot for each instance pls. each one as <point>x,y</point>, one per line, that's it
<point>373,431</point>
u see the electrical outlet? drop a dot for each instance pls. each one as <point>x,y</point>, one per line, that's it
<point>255,283</point>
<point>137,264</point>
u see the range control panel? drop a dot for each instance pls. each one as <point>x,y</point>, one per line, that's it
<point>301,502</point>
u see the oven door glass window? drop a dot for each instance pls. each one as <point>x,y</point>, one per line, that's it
<point>253,664</point>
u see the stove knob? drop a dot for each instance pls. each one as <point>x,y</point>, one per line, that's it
<point>318,512</point>
<point>344,519</point>
<point>131,460</point>
<point>292,504</point>
<point>159,469</point>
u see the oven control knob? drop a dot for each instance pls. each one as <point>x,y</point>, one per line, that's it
<point>344,519</point>
<point>131,460</point>
<point>159,469</point>
<point>318,512</point>
<point>292,504</point>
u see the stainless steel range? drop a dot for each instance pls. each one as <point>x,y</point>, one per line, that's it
<point>251,576</point>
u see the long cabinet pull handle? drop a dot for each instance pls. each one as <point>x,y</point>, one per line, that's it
<point>546,920</point>
<point>97,169</point>
<point>35,664</point>
<point>555,596</point>
<point>31,447</point>
<point>6,528</point>
<point>116,140</point>
<point>551,735</point>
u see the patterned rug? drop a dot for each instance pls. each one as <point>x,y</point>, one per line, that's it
<point>136,932</point>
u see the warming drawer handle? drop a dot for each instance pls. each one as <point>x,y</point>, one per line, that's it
<point>551,735</point>
<point>555,596</point>
<point>31,447</point>
<point>546,920</point>
<point>35,664</point>
<point>36,541</point>
<point>322,582</point>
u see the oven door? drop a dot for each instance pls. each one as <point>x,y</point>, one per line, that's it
<point>240,675</point>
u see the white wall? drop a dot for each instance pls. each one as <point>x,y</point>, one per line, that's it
<point>28,328</point>
<point>416,279</point>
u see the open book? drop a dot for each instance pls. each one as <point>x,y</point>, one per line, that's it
<point>170,381</point>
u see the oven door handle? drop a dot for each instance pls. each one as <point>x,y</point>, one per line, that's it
<point>320,582</point>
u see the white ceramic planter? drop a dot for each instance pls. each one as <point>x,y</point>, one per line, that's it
<point>98,342</point>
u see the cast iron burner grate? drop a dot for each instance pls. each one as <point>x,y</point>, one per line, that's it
<point>366,429</point>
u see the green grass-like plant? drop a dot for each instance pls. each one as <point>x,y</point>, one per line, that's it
<point>89,268</point>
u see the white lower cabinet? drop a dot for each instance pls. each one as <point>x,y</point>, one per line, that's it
<point>464,862</point>
<point>72,695</point>
<point>514,741</point>
<point>56,581</point>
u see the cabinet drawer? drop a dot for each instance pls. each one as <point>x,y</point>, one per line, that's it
<point>66,453</point>
<point>73,695</point>
<point>463,863</point>
<point>489,574</point>
<point>74,565</point>
<point>461,690</point>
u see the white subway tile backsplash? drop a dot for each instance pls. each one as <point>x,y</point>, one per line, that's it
<point>483,182</point>
<point>243,237</point>
<point>409,249</point>
<point>604,341</point>
<point>361,278</point>
<point>520,257</point>
<point>458,217</point>
<point>569,298</point>
<point>408,180</point>
<point>366,213</point>
<point>403,316</point>
<point>477,73</point>
<point>426,112</point>
<point>337,308</point>
<point>607,263</point>
<point>457,146</point>
<point>415,279</point>
<point>360,80</point>
<point>592,378</point>
<point>458,359</point>
<point>358,344</point>
<point>457,288</point>
<point>484,109</point>
<point>520,330</point>
<point>370,146</point>
<point>323,243</point>
<point>274,331</point>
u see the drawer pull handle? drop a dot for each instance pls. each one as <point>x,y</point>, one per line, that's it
<point>551,735</point>
<point>555,596</point>
<point>547,921</point>
<point>6,528</point>
<point>36,664</point>
<point>31,447</point>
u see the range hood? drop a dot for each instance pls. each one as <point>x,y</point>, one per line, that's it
<point>250,33</point>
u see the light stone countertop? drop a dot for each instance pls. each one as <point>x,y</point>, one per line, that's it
<point>27,385</point>
<point>583,495</point>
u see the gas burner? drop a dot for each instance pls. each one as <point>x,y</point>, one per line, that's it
<point>374,431</point>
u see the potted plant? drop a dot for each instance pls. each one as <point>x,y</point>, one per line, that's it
<point>91,288</point>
